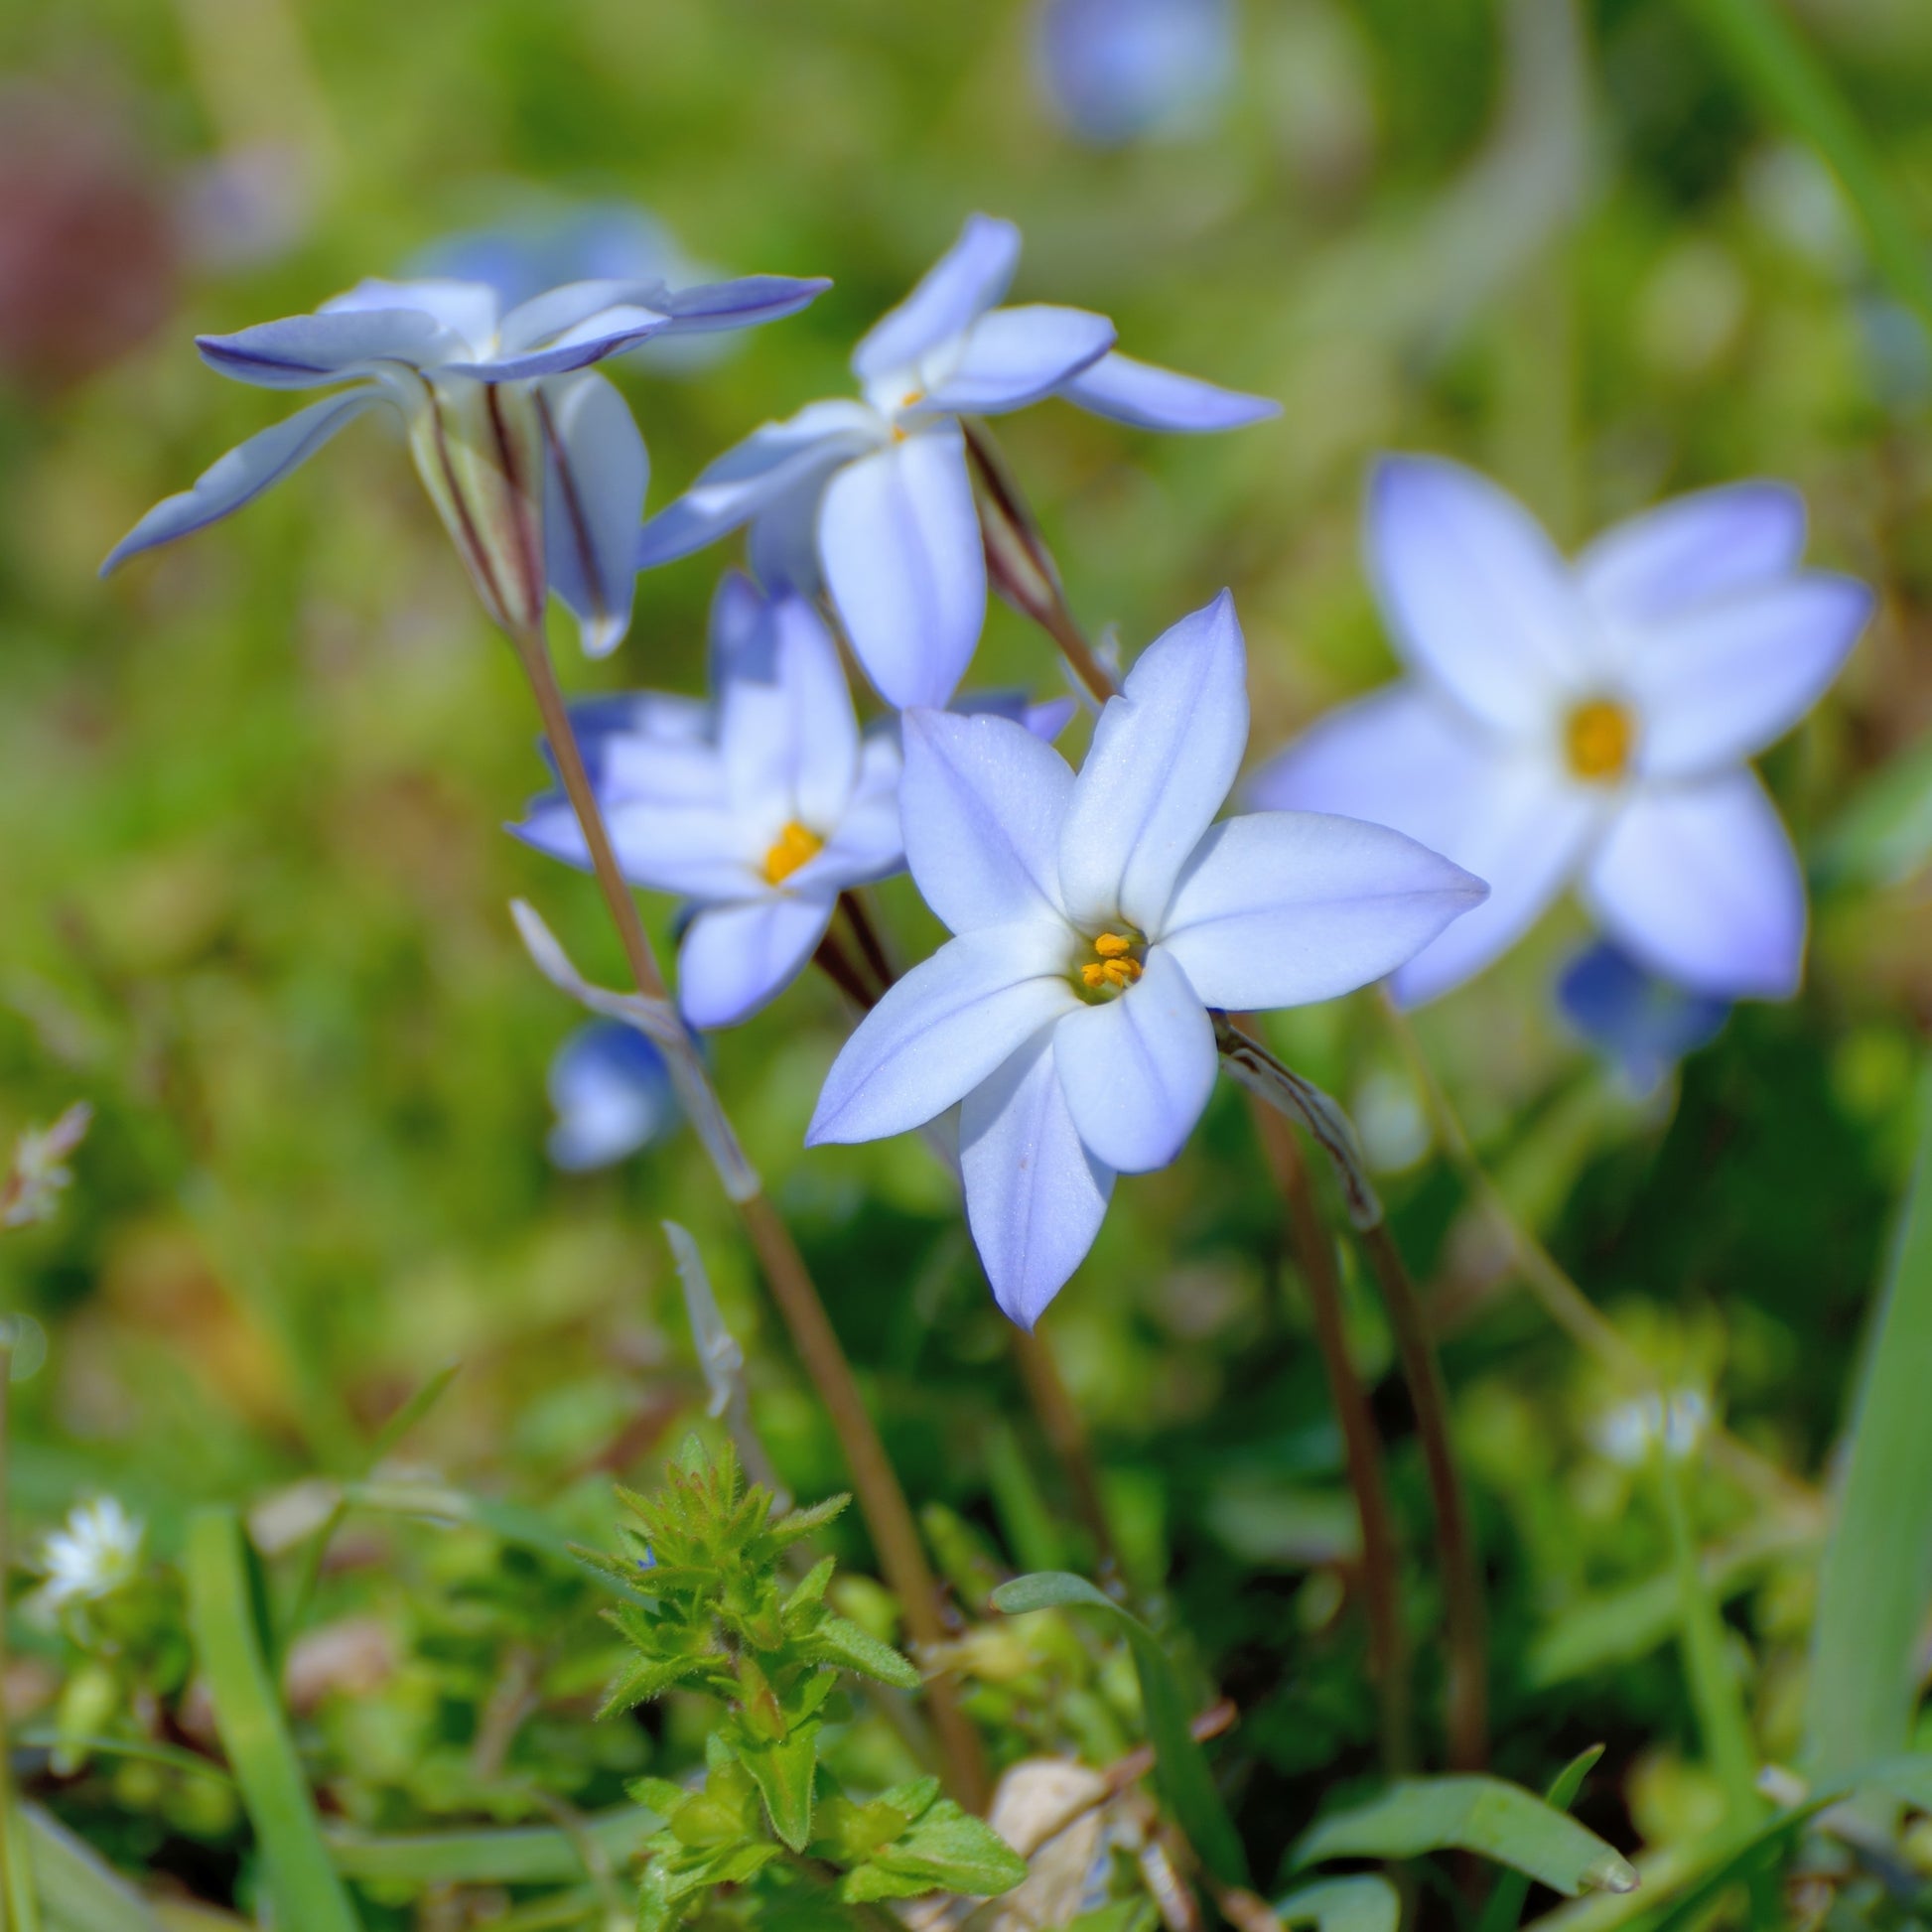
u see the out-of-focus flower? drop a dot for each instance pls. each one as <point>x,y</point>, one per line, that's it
<point>1641,1024</point>
<point>31,1188</point>
<point>92,1555</point>
<point>876,496</point>
<point>760,810</point>
<point>87,250</point>
<point>1097,919</point>
<point>1118,71</point>
<point>1630,1433</point>
<point>612,1094</point>
<point>531,459</point>
<point>1589,723</point>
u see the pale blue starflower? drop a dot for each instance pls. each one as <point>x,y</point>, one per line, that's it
<point>531,459</point>
<point>1098,922</point>
<point>875,497</point>
<point>1642,1024</point>
<point>1119,71</point>
<point>1589,723</point>
<point>611,1093</point>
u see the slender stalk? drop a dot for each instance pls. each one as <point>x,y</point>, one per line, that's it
<point>837,965</point>
<point>1066,1433</point>
<point>1361,1443</point>
<point>881,1499</point>
<point>871,941</point>
<point>8,1916</point>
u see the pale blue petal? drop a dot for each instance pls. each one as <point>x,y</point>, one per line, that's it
<point>867,844</point>
<point>1700,884</point>
<point>1150,398</point>
<point>1164,755</point>
<point>1284,909</point>
<point>1035,1195</point>
<point>245,472</point>
<point>1718,681</point>
<point>467,308</point>
<point>963,284</point>
<point>1475,596</point>
<point>746,302</point>
<point>1014,357</point>
<point>596,474</point>
<point>1694,547</point>
<point>942,1030</point>
<point>899,540</point>
<point>611,1093</point>
<point>982,803</point>
<point>1137,1071</point>
<point>734,959</point>
<point>303,352</point>
<point>1641,1022</point>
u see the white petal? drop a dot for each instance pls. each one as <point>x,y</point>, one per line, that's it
<point>1282,908</point>
<point>1692,548</point>
<point>1719,681</point>
<point>982,803</point>
<point>963,284</point>
<point>866,843</point>
<point>1015,357</point>
<point>736,958</point>
<point>1150,398</point>
<point>243,473</point>
<point>593,499</point>
<point>1035,1195</point>
<point>1138,1069</point>
<point>900,539</point>
<point>1164,755</point>
<point>1474,593</point>
<point>786,730</point>
<point>942,1030</point>
<point>1700,884</point>
<point>704,852</point>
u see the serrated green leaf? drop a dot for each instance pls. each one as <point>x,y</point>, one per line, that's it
<point>795,1525</point>
<point>1362,1904</point>
<point>1179,1766</point>
<point>657,1794</point>
<point>1484,1815</point>
<point>916,1797</point>
<point>838,1640</point>
<point>944,1850</point>
<point>644,1679</point>
<point>811,1587</point>
<point>784,1771</point>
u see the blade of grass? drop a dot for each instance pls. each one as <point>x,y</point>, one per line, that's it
<point>301,1878</point>
<point>528,1855</point>
<point>80,1892</point>
<point>1505,1911</point>
<point>1877,1580</point>
<point>1180,1765</point>
<point>1362,1904</point>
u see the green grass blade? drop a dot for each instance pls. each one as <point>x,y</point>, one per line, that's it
<point>1362,1904</point>
<point>535,1854</point>
<point>1499,1820</point>
<point>77,1890</point>
<point>301,1878</point>
<point>1180,1765</point>
<point>1505,1911</point>
<point>1877,1581</point>
<point>1885,835</point>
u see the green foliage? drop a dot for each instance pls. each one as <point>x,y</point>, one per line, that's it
<point>722,1622</point>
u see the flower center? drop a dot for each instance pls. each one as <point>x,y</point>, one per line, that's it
<point>1115,965</point>
<point>797,845</point>
<point>1599,737</point>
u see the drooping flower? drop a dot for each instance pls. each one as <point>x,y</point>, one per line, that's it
<point>1119,71</point>
<point>93,1554</point>
<point>760,808</point>
<point>613,1096</point>
<point>1641,1022</point>
<point>1097,921</point>
<point>530,458</point>
<point>1589,723</point>
<point>875,497</point>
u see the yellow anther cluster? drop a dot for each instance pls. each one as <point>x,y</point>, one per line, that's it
<point>1599,739</point>
<point>795,846</point>
<point>1116,965</point>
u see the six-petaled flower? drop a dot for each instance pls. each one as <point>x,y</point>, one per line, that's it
<point>874,498</point>
<point>531,459</point>
<point>1589,723</point>
<point>1097,920</point>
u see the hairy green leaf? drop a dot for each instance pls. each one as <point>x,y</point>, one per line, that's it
<point>840,1641</point>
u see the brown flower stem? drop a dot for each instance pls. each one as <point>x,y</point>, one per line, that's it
<point>881,1501</point>
<point>1467,1717</point>
<point>1361,1443</point>
<point>8,1915</point>
<point>1066,1435</point>
<point>837,965</point>
<point>870,940</point>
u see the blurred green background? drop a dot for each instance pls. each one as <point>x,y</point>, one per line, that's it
<point>253,887</point>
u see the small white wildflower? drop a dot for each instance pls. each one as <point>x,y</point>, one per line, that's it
<point>1627,1433</point>
<point>91,1556</point>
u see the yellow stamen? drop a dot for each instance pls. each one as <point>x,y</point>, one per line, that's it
<point>1599,737</point>
<point>795,846</point>
<point>1114,968</point>
<point>1110,945</point>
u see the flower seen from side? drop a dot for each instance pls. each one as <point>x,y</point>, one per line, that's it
<point>531,458</point>
<point>1641,1023</point>
<point>1099,919</point>
<point>758,808</point>
<point>1589,723</point>
<point>874,498</point>
<point>1120,70</point>
<point>612,1094</point>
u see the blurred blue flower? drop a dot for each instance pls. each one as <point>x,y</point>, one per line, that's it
<point>1119,71</point>
<point>876,496</point>
<point>612,1094</point>
<point>1642,1024</point>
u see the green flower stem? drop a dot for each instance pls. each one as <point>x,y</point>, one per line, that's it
<point>881,1498</point>
<point>18,1908</point>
